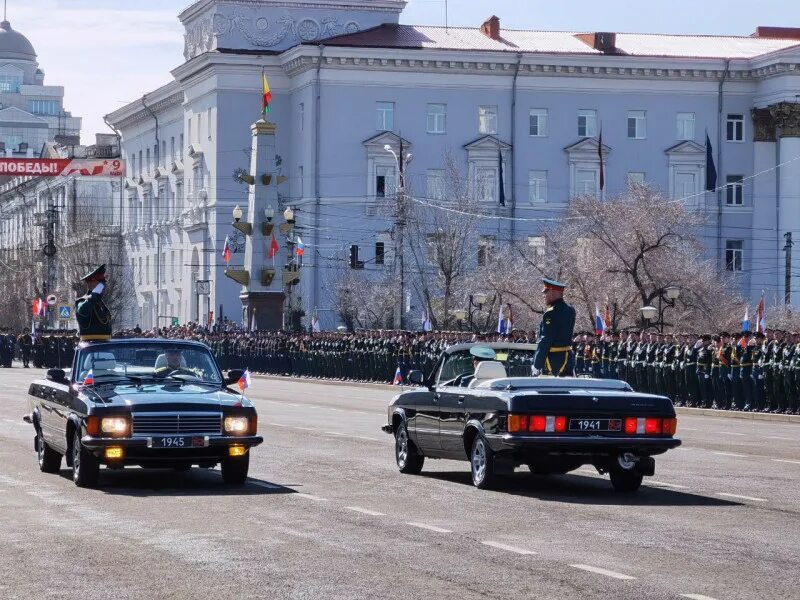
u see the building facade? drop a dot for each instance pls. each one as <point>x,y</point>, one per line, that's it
<point>347,81</point>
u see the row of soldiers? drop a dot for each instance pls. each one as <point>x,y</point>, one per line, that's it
<point>744,371</point>
<point>46,350</point>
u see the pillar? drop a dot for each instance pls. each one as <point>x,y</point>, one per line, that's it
<point>764,240</point>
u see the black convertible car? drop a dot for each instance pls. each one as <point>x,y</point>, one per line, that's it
<point>498,417</point>
<point>146,402</point>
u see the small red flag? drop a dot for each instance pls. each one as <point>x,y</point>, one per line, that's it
<point>273,247</point>
<point>226,251</point>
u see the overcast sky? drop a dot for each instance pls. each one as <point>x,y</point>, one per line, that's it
<point>109,52</point>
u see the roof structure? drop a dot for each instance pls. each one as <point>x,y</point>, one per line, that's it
<point>14,45</point>
<point>561,42</point>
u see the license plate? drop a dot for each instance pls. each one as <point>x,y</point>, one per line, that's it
<point>178,441</point>
<point>595,424</point>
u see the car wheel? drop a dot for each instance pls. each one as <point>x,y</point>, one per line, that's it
<point>234,470</point>
<point>625,482</point>
<point>85,466</point>
<point>409,460</point>
<point>482,461</point>
<point>49,459</point>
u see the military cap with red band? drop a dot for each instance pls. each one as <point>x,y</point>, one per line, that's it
<point>552,284</point>
<point>99,274</point>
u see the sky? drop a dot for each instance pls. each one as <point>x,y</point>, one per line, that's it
<point>107,53</point>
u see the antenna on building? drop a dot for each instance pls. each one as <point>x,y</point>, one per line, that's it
<point>5,9</point>
<point>445,14</point>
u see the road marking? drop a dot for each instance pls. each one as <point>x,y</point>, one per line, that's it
<point>278,425</point>
<point>369,439</point>
<point>689,428</point>
<point>783,460</point>
<point>741,497</point>
<point>310,497</point>
<point>605,572</point>
<point>697,597</point>
<point>336,433</point>
<point>500,546</point>
<point>780,437</point>
<point>729,454</point>
<point>269,486</point>
<point>17,423</point>
<point>728,433</point>
<point>665,484</point>
<point>365,511</point>
<point>430,527</point>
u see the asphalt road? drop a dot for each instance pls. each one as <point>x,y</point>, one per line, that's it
<point>327,515</point>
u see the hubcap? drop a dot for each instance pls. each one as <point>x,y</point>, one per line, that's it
<point>402,447</point>
<point>76,459</point>
<point>40,447</point>
<point>478,460</point>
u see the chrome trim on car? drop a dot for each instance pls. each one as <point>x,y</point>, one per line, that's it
<point>146,424</point>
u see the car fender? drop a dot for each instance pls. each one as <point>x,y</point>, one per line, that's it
<point>35,418</point>
<point>472,428</point>
<point>401,413</point>
<point>73,424</point>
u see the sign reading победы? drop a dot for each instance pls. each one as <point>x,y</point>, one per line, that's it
<point>53,167</point>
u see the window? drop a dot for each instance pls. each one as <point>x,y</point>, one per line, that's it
<point>685,126</point>
<point>172,265</point>
<point>538,122</point>
<point>178,198</point>
<point>148,160</point>
<point>635,178</point>
<point>140,163</point>
<point>172,149</point>
<point>384,181</point>
<point>208,124</point>
<point>586,182</point>
<point>147,270</point>
<point>139,273</point>
<point>162,268</point>
<point>437,118</point>
<point>685,184</point>
<point>44,107</point>
<point>735,128</point>
<point>587,123</point>
<point>180,150</point>
<point>537,245</point>
<point>487,119</point>
<point>163,157</point>
<point>133,165</point>
<point>380,253</point>
<point>486,183</point>
<point>384,112</point>
<point>189,130</point>
<point>435,184</point>
<point>637,129</point>
<point>301,115</point>
<point>199,126</point>
<point>10,83</point>
<point>485,249</point>
<point>537,186</point>
<point>302,181</point>
<point>733,255</point>
<point>354,262</point>
<point>734,190</point>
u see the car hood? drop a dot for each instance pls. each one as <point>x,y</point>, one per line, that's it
<point>164,397</point>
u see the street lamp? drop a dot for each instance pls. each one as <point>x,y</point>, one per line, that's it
<point>245,228</point>
<point>288,214</point>
<point>476,301</point>
<point>667,296</point>
<point>460,315</point>
<point>269,213</point>
<point>237,214</point>
<point>649,312</point>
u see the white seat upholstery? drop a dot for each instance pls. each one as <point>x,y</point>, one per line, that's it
<point>161,361</point>
<point>488,369</point>
<point>102,363</point>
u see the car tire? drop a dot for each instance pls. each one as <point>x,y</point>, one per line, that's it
<point>481,459</point>
<point>234,469</point>
<point>49,460</point>
<point>406,455</point>
<point>625,482</point>
<point>85,465</point>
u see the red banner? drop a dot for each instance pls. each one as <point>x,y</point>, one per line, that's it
<point>53,167</point>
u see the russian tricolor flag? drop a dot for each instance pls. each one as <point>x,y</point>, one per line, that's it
<point>244,381</point>
<point>599,323</point>
<point>89,379</point>
<point>301,247</point>
<point>398,377</point>
<point>746,320</point>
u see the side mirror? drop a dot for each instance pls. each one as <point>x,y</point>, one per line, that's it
<point>416,377</point>
<point>57,375</point>
<point>233,376</point>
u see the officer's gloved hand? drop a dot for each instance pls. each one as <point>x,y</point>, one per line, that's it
<point>98,289</point>
<point>535,372</point>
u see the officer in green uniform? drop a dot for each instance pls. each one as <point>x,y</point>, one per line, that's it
<point>94,318</point>
<point>554,352</point>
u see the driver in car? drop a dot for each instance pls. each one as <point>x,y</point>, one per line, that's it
<point>171,362</point>
<point>479,354</point>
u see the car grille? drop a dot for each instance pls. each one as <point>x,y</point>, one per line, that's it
<point>177,423</point>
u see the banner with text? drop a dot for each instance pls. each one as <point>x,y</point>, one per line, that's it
<point>54,167</point>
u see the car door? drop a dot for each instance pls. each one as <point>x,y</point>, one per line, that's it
<point>452,419</point>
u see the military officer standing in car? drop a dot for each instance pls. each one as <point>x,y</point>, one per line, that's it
<point>554,352</point>
<point>94,318</point>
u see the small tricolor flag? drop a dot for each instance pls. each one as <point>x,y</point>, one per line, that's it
<point>599,324</point>
<point>746,320</point>
<point>301,247</point>
<point>266,97</point>
<point>89,379</point>
<point>244,381</point>
<point>226,250</point>
<point>398,377</point>
<point>504,319</point>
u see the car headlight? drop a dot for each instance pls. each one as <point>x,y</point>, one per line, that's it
<point>236,425</point>
<point>114,425</point>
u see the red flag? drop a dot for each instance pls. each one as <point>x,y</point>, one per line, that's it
<point>35,307</point>
<point>602,166</point>
<point>607,316</point>
<point>226,251</point>
<point>273,247</point>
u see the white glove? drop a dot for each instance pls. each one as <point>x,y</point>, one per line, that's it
<point>535,372</point>
<point>98,289</point>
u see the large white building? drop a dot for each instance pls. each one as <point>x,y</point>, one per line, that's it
<point>347,79</point>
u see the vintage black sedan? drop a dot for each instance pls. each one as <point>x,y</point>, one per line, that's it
<point>155,403</point>
<point>499,417</point>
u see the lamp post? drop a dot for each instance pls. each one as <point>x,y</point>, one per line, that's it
<point>460,315</point>
<point>666,299</point>
<point>400,223</point>
<point>476,301</point>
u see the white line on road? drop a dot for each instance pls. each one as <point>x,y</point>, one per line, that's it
<point>726,495</point>
<point>430,527</point>
<point>336,433</point>
<point>269,486</point>
<point>697,597</point>
<point>605,572</point>
<point>728,454</point>
<point>689,428</point>
<point>508,548</point>
<point>665,484</point>
<point>19,423</point>
<point>780,437</point>
<point>310,497</point>
<point>365,511</point>
<point>729,433</point>
<point>784,460</point>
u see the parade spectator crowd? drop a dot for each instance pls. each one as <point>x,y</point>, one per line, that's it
<point>749,372</point>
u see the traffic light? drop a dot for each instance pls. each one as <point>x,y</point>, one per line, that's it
<point>353,256</point>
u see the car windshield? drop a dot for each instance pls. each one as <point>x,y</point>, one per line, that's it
<point>132,361</point>
<point>518,363</point>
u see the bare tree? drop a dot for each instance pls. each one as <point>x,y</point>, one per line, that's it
<point>362,301</point>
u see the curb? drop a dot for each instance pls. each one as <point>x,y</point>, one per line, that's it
<point>681,410</point>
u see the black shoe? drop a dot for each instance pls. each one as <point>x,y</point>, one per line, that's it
<point>747,408</point>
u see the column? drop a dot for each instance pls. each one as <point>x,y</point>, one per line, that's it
<point>764,239</point>
<point>787,119</point>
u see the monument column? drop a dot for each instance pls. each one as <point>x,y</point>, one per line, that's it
<point>787,120</point>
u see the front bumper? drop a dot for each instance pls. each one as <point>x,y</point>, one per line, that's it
<point>572,444</point>
<point>144,443</point>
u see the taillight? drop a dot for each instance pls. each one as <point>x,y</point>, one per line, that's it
<point>669,426</point>
<point>538,423</point>
<point>649,426</point>
<point>561,424</point>
<point>630,425</point>
<point>652,426</point>
<point>517,423</point>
